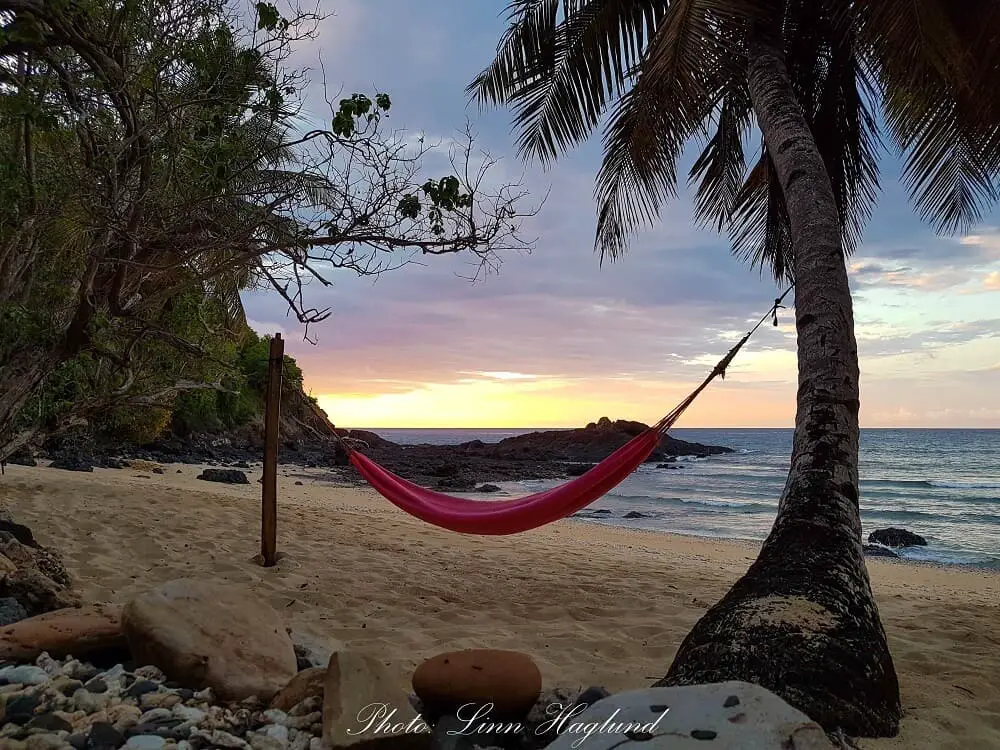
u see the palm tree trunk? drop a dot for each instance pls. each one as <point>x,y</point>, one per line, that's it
<point>802,621</point>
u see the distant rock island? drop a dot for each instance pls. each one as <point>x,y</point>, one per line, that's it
<point>549,454</point>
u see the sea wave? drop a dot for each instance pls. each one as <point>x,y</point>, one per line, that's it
<point>965,485</point>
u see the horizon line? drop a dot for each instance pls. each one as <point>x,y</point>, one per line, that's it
<point>688,427</point>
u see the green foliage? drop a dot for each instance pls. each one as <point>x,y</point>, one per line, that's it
<point>357,109</point>
<point>444,195</point>
<point>243,401</point>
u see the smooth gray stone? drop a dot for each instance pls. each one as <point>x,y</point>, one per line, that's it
<point>722,716</point>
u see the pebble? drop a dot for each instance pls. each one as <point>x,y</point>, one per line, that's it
<point>146,742</point>
<point>96,685</point>
<point>24,674</point>
<point>141,687</point>
<point>219,738</point>
<point>123,715</point>
<point>276,716</point>
<point>49,723</point>
<point>103,736</point>
<point>44,742</point>
<point>84,700</point>
<point>159,700</point>
<point>277,732</point>
<point>150,672</point>
<point>188,713</point>
<point>155,715</point>
<point>53,705</point>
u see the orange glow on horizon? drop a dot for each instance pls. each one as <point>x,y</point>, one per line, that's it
<point>556,403</point>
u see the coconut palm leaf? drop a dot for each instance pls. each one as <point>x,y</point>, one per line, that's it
<point>559,64</point>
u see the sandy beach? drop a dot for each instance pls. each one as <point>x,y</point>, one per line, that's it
<point>591,604</point>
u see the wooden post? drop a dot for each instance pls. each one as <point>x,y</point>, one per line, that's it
<point>269,489</point>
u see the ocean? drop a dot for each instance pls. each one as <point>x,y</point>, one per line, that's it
<point>943,484</point>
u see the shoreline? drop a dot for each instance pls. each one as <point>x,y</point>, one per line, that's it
<point>333,478</point>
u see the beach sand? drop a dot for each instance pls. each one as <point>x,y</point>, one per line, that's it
<point>591,604</point>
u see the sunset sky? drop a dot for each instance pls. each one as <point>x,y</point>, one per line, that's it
<point>556,340</point>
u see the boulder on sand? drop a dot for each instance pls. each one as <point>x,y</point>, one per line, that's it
<point>78,631</point>
<point>722,716</point>
<point>226,476</point>
<point>508,680</point>
<point>360,697</point>
<point>205,634</point>
<point>893,537</point>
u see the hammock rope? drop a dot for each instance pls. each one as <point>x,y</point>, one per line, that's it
<point>470,516</point>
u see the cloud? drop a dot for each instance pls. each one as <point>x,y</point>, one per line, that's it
<point>635,335</point>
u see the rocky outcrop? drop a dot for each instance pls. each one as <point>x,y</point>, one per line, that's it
<point>204,634</point>
<point>551,454</point>
<point>595,442</point>
<point>32,576</point>
<point>893,537</point>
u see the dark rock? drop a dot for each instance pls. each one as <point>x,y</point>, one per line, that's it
<point>141,687</point>
<point>20,708</point>
<point>96,685</point>
<point>457,484</point>
<point>157,469</point>
<point>877,550</point>
<point>72,463</point>
<point>22,459</point>
<point>635,514</point>
<point>36,592</point>
<point>578,470</point>
<point>20,532</point>
<point>103,736</point>
<point>186,694</point>
<point>77,741</point>
<point>298,483</point>
<point>50,723</point>
<point>226,476</point>
<point>589,696</point>
<point>595,442</point>
<point>488,488</point>
<point>11,611</point>
<point>602,512</point>
<point>111,463</point>
<point>893,537</point>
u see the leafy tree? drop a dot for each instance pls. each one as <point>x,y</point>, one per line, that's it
<point>802,621</point>
<point>150,149</point>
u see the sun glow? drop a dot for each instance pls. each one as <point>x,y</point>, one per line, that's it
<point>555,403</point>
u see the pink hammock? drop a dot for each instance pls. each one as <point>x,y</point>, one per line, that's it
<point>469,516</point>
<point>508,516</point>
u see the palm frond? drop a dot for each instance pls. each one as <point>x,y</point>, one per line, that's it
<point>759,228</point>
<point>585,54</point>
<point>938,105</point>
<point>682,78</point>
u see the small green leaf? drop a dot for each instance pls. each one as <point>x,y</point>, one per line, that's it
<point>267,16</point>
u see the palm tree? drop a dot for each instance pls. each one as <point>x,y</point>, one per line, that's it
<point>809,75</point>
